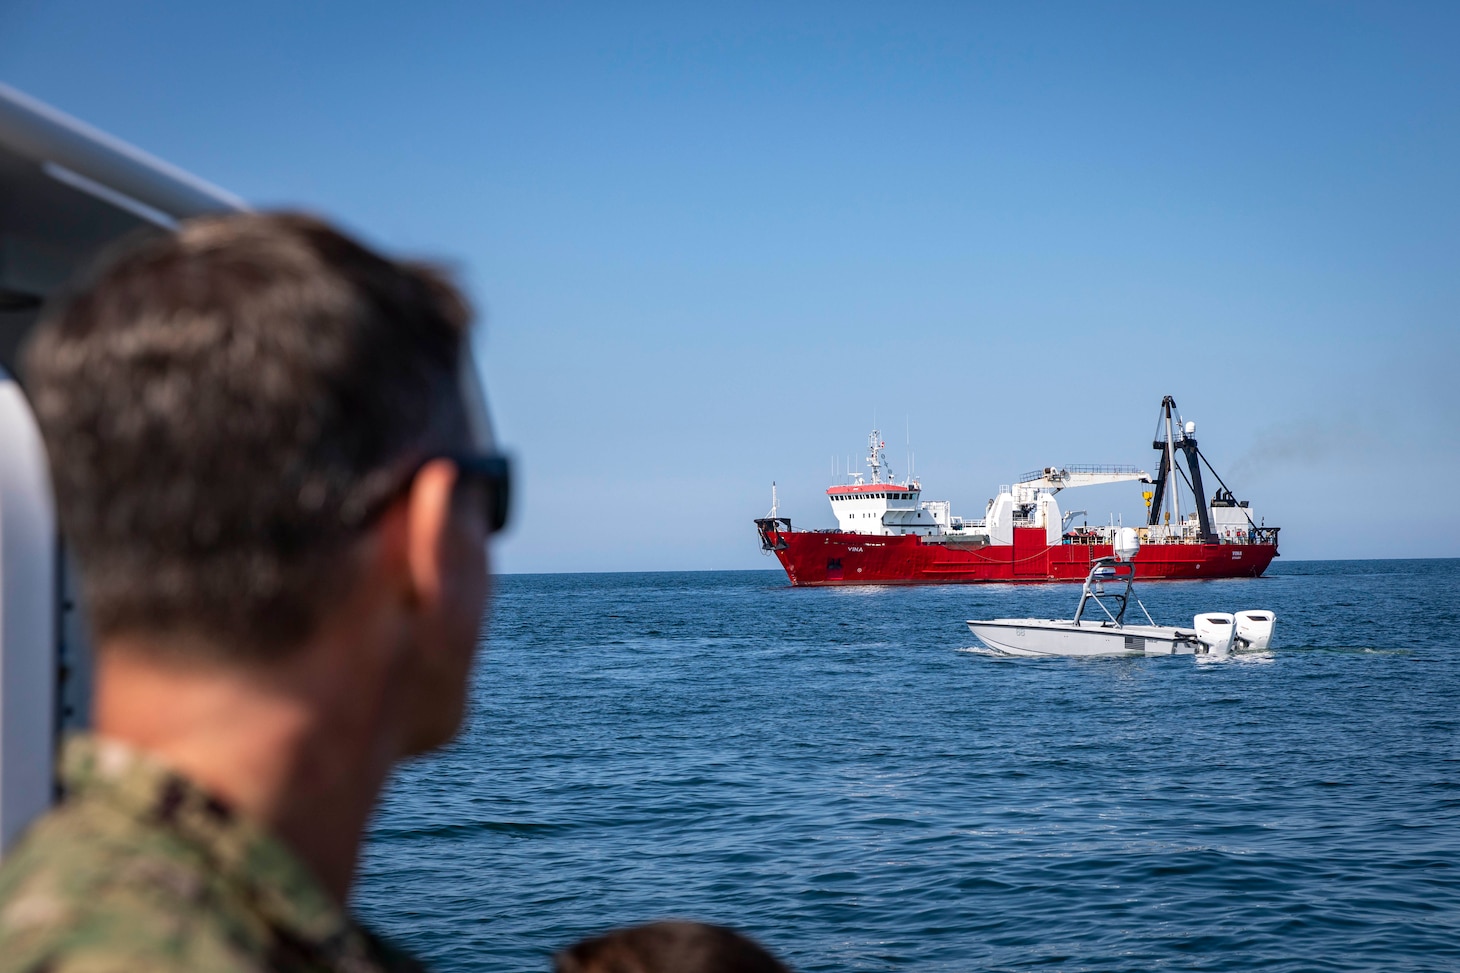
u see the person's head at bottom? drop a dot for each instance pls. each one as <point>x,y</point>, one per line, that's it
<point>673,946</point>
<point>272,461</point>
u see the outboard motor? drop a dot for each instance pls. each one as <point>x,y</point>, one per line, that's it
<point>1215,630</point>
<point>1254,630</point>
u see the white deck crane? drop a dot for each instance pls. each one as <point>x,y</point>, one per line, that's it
<point>1053,479</point>
<point>1031,502</point>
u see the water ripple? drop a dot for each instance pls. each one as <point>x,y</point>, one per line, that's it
<point>843,775</point>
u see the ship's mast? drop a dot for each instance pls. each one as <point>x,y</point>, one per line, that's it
<point>877,457</point>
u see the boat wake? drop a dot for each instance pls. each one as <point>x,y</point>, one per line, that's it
<point>987,652</point>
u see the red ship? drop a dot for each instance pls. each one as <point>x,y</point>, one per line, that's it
<point>887,534</point>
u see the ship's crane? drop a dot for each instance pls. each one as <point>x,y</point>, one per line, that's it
<point>1053,479</point>
<point>1179,436</point>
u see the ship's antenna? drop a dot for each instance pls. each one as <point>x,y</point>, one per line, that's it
<point>877,457</point>
<point>775,504</point>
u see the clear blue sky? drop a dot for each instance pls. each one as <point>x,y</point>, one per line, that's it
<point>710,245</point>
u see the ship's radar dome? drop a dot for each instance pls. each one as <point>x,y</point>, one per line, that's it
<point>1127,542</point>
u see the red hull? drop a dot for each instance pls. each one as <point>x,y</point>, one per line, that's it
<point>832,557</point>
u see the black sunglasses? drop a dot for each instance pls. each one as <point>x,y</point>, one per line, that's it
<point>492,470</point>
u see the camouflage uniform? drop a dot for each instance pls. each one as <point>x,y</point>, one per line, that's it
<point>138,869</point>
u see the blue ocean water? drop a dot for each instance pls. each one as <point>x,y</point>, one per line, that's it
<point>842,774</point>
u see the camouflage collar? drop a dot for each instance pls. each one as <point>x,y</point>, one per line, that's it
<point>279,887</point>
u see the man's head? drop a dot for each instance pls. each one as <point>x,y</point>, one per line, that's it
<point>233,414</point>
<point>672,946</point>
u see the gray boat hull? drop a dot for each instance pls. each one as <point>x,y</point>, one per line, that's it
<point>1066,638</point>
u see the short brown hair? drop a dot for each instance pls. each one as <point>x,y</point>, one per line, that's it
<point>216,403</point>
<point>673,946</point>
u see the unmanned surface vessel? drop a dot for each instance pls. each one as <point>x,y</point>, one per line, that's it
<point>1106,633</point>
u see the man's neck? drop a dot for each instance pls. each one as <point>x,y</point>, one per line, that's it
<point>284,747</point>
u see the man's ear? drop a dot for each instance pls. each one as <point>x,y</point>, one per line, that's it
<point>427,521</point>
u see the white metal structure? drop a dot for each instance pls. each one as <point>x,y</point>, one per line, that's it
<point>1214,634</point>
<point>66,192</point>
<point>28,612</point>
